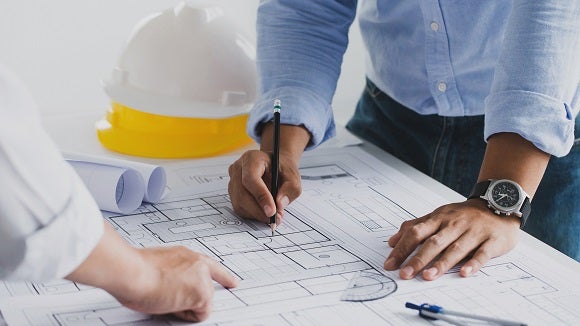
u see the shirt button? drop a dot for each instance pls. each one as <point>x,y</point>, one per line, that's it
<point>434,26</point>
<point>442,87</point>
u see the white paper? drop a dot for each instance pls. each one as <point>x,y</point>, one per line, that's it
<point>182,175</point>
<point>154,176</point>
<point>115,189</point>
<point>332,235</point>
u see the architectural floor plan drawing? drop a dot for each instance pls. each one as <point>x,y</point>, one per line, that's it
<point>323,265</point>
<point>13,289</point>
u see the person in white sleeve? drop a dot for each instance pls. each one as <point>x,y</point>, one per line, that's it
<point>50,227</point>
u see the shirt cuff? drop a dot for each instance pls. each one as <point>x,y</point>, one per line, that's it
<point>546,122</point>
<point>58,248</point>
<point>299,107</point>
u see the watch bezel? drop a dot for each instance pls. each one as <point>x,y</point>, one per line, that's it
<point>515,209</point>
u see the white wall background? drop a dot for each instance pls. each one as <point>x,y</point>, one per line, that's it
<point>63,48</point>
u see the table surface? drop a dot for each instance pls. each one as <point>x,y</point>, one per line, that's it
<point>76,133</point>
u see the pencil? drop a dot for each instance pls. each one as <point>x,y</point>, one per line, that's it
<point>275,161</point>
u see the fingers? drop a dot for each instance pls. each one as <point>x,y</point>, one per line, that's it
<point>203,293</point>
<point>447,236</point>
<point>249,193</point>
<point>248,187</point>
<point>480,258</point>
<point>450,240</point>
<point>412,235</point>
<point>494,247</point>
<point>454,253</point>
<point>202,304</point>
<point>395,238</point>
<point>252,172</point>
<point>194,316</point>
<point>221,275</point>
<point>175,280</point>
<point>199,289</point>
<point>290,187</point>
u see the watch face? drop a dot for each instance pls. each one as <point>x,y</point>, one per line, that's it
<point>505,194</point>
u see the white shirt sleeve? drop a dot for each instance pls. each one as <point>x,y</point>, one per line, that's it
<point>49,223</point>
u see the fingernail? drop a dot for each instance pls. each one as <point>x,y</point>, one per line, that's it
<point>431,272</point>
<point>407,271</point>
<point>268,210</point>
<point>467,270</point>
<point>284,201</point>
<point>390,264</point>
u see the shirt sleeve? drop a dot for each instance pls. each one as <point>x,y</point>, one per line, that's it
<point>49,223</point>
<point>299,53</point>
<point>535,92</point>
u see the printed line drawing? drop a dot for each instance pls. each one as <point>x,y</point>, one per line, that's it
<point>331,246</point>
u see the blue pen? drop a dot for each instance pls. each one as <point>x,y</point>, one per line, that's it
<point>436,312</point>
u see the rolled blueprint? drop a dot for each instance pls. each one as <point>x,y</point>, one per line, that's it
<point>115,189</point>
<point>154,176</point>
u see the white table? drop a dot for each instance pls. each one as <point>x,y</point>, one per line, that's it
<point>76,133</point>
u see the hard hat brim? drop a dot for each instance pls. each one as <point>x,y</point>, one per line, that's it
<point>129,131</point>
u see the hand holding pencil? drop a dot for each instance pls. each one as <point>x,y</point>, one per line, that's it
<point>252,190</point>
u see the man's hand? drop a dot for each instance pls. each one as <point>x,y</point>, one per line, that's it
<point>176,280</point>
<point>469,229</point>
<point>250,175</point>
<point>249,193</point>
<point>156,280</point>
<point>448,235</point>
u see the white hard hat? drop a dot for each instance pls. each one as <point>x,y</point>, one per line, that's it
<point>183,86</point>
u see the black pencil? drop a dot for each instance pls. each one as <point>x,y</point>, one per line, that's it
<point>275,161</point>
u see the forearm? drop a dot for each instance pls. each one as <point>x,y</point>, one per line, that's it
<point>113,265</point>
<point>293,140</point>
<point>510,156</point>
<point>154,280</point>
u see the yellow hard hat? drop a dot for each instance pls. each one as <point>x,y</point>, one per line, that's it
<point>183,86</point>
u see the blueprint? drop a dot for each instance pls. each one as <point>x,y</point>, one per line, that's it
<point>323,265</point>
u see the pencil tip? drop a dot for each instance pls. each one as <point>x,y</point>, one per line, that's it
<point>273,228</point>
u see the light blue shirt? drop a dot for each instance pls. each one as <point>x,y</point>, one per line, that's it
<point>517,62</point>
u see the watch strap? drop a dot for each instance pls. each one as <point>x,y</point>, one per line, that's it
<point>479,189</point>
<point>526,209</point>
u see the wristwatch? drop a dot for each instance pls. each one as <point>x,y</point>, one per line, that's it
<point>504,197</point>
